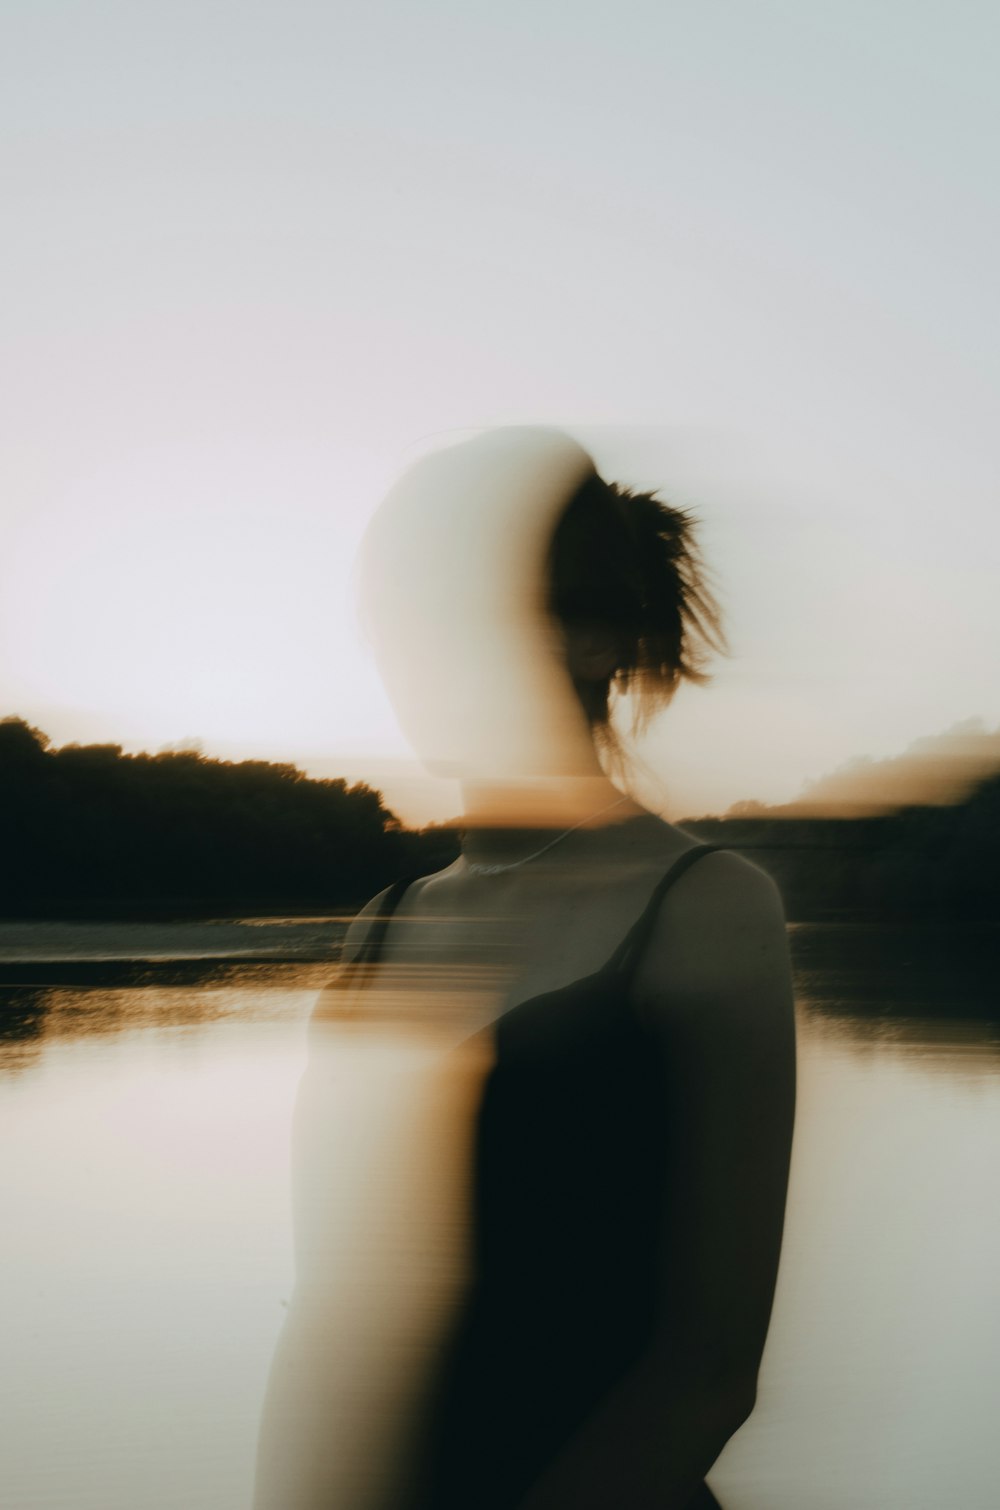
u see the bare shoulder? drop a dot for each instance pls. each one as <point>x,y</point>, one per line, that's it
<point>724,886</point>
<point>328,1003</point>
<point>419,891</point>
<point>719,940</point>
<point>360,925</point>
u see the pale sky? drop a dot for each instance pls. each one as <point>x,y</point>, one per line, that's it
<point>257,257</point>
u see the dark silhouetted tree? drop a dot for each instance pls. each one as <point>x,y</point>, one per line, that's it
<point>87,826</point>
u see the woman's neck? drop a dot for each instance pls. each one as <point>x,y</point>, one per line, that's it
<point>506,821</point>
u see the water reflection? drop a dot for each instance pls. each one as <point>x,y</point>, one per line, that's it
<point>865,969</point>
<point>148,1240</point>
<point>30,1015</point>
<point>927,994</point>
<point>882,1357</point>
<point>146,1250</point>
<point>953,1046</point>
<point>22,1012</point>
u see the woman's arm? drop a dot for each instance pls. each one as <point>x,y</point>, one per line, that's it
<point>297,1448</point>
<point>716,985</point>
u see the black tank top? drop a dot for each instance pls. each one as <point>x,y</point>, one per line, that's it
<point>573,1142</point>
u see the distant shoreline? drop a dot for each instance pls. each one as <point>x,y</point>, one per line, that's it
<point>112,911</point>
<point>909,965</point>
<point>104,952</point>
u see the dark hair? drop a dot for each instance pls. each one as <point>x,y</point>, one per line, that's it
<point>628,562</point>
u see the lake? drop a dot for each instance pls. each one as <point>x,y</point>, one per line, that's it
<point>148,1262</point>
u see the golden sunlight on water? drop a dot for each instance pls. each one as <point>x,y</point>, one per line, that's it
<point>148,1262</point>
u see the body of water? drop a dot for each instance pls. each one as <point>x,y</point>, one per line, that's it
<point>147,1259</point>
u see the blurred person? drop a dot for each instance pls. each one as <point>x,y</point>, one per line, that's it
<point>542,1143</point>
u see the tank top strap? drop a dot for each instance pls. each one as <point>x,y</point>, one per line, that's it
<point>371,944</point>
<point>625,957</point>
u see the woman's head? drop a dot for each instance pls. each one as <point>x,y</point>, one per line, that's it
<point>508,590</point>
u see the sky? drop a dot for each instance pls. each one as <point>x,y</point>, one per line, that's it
<point>259,257</point>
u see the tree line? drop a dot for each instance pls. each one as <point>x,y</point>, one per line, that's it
<point>920,862</point>
<point>91,829</point>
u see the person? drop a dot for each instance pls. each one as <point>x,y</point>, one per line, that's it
<point>543,1140</point>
